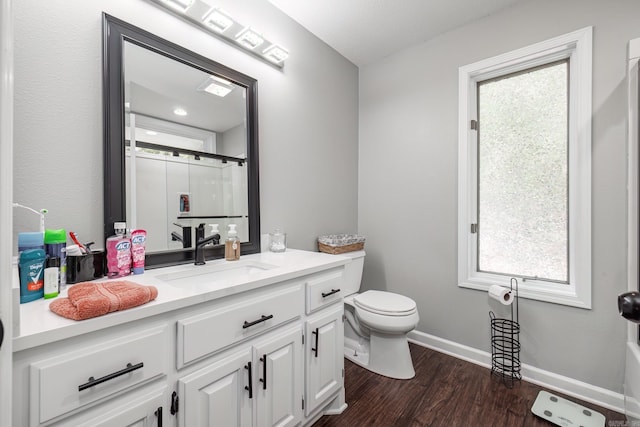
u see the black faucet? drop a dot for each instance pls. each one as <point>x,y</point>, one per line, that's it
<point>186,235</point>
<point>201,243</point>
<point>200,231</point>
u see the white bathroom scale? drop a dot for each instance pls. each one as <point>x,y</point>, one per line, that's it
<point>563,412</point>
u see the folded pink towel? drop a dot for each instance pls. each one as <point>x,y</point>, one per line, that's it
<point>87,300</point>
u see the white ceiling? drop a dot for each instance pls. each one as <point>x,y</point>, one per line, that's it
<point>365,31</point>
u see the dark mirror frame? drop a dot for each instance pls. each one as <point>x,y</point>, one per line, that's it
<point>115,33</point>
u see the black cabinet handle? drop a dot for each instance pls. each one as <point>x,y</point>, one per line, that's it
<point>333,291</point>
<point>159,416</point>
<point>250,386</point>
<point>263,380</point>
<point>262,318</point>
<point>175,402</point>
<point>315,350</point>
<point>1,333</point>
<point>92,381</point>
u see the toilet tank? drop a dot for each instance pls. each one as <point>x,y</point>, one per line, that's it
<point>353,272</point>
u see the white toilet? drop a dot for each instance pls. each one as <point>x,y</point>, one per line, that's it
<point>375,333</point>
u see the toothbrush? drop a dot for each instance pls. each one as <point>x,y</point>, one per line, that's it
<point>77,242</point>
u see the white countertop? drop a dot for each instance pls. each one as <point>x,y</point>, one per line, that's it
<point>39,325</point>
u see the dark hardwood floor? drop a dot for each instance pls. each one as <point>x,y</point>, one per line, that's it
<point>446,391</point>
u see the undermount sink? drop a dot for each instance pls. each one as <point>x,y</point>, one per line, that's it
<point>215,273</point>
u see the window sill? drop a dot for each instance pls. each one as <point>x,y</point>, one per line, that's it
<point>532,289</point>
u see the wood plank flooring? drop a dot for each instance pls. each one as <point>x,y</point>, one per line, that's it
<point>445,392</point>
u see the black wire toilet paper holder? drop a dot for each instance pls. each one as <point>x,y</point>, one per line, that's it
<point>505,343</point>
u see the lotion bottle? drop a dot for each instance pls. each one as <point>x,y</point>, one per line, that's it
<point>232,244</point>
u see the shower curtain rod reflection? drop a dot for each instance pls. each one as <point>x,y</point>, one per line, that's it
<point>177,151</point>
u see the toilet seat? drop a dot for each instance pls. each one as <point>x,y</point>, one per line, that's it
<point>386,312</point>
<point>385,303</point>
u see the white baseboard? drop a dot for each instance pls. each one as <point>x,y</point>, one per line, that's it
<point>569,386</point>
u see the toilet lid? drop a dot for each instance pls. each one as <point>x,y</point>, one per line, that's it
<point>386,303</point>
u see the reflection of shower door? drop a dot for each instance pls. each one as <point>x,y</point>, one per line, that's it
<point>632,368</point>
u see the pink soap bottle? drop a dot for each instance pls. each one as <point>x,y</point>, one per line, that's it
<point>119,252</point>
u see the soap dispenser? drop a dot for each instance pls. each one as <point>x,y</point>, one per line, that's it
<point>232,245</point>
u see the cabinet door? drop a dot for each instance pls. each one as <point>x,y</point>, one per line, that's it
<point>324,356</point>
<point>135,410</point>
<point>218,395</point>
<point>279,378</point>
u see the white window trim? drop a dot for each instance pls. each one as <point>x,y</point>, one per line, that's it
<point>578,47</point>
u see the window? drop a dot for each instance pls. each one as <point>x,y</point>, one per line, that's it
<point>525,171</point>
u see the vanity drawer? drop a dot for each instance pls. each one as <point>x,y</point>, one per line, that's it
<point>63,383</point>
<point>324,289</point>
<point>236,319</point>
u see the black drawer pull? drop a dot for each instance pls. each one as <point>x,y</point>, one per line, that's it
<point>249,387</point>
<point>159,416</point>
<point>92,381</point>
<point>333,291</point>
<point>263,318</point>
<point>263,380</point>
<point>315,350</point>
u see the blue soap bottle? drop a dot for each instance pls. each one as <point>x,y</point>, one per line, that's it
<point>31,267</point>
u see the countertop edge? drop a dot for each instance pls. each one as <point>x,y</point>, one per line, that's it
<point>153,308</point>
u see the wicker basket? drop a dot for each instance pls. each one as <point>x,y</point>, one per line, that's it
<point>340,243</point>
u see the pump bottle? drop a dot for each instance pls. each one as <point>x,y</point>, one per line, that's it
<point>232,244</point>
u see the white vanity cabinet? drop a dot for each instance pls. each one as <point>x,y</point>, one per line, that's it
<point>258,385</point>
<point>324,331</point>
<point>63,379</point>
<point>219,394</point>
<point>324,362</point>
<point>261,353</point>
<point>279,379</point>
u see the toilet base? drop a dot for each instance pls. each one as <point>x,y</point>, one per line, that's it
<point>357,351</point>
<point>389,355</point>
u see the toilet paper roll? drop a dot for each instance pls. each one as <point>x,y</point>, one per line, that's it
<point>502,294</point>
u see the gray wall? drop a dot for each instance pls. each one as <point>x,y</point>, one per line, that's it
<point>233,141</point>
<point>408,188</point>
<point>307,115</point>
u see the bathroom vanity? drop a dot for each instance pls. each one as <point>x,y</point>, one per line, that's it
<point>256,342</point>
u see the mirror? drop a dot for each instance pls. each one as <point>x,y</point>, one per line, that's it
<point>181,149</point>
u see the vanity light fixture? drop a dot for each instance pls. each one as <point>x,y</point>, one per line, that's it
<point>217,20</point>
<point>249,38</point>
<point>180,112</point>
<point>208,16</point>
<point>179,5</point>
<point>276,54</point>
<point>216,86</point>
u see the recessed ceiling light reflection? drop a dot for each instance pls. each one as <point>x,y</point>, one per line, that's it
<point>180,112</point>
<point>216,86</point>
